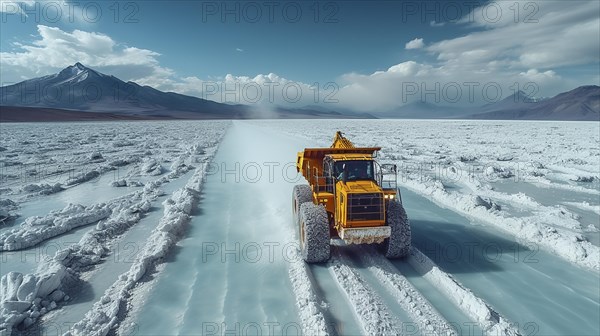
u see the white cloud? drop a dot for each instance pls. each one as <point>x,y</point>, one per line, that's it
<point>533,75</point>
<point>55,49</point>
<point>548,34</point>
<point>239,49</point>
<point>415,44</point>
<point>262,89</point>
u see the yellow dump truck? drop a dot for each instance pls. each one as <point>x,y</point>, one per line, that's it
<point>351,196</point>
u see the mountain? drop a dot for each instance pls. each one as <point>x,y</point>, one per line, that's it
<point>582,103</point>
<point>83,89</point>
<point>518,100</point>
<point>79,88</point>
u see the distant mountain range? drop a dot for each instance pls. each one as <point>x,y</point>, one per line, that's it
<point>80,93</point>
<point>78,89</point>
<point>582,103</point>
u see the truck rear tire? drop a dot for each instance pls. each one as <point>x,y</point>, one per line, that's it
<point>398,244</point>
<point>301,194</point>
<point>314,233</point>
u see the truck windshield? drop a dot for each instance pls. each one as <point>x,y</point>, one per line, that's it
<point>357,170</point>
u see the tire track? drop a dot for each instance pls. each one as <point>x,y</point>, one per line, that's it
<point>109,310</point>
<point>368,306</point>
<point>374,315</point>
<point>310,308</point>
<point>476,308</point>
<point>408,297</point>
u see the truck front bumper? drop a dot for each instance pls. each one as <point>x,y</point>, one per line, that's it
<point>365,235</point>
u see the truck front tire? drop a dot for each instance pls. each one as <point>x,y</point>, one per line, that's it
<point>398,244</point>
<point>314,233</point>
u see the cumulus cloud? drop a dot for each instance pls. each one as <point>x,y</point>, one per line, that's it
<point>415,44</point>
<point>262,89</point>
<point>535,76</point>
<point>55,49</point>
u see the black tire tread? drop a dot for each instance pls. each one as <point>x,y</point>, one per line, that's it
<point>399,243</point>
<point>315,247</point>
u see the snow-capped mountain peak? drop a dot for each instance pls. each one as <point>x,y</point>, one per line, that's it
<point>76,73</point>
<point>73,70</point>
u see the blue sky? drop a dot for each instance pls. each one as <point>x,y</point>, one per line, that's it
<point>363,47</point>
